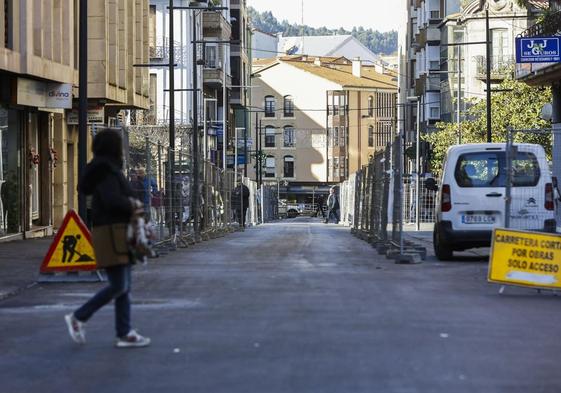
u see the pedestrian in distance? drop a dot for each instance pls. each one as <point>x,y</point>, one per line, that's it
<point>319,206</point>
<point>113,208</point>
<point>240,202</point>
<point>332,206</point>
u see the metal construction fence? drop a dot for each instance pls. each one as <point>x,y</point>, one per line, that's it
<point>379,199</point>
<point>532,196</point>
<point>180,214</point>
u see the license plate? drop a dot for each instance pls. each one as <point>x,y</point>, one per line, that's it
<point>478,219</point>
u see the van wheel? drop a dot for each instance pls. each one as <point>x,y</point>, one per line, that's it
<point>442,250</point>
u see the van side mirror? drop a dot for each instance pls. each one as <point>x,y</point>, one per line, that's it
<point>430,184</point>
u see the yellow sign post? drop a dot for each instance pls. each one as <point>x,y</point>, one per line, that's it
<point>528,259</point>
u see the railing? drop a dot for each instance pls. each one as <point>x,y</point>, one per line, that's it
<point>551,25</point>
<point>501,67</point>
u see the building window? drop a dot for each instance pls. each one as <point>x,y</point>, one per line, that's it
<point>8,24</point>
<point>500,49</point>
<point>434,112</point>
<point>270,166</point>
<point>288,106</point>
<point>371,136</point>
<point>371,106</point>
<point>289,137</point>
<point>336,136</point>
<point>270,104</point>
<point>270,133</point>
<point>288,166</point>
<point>211,56</point>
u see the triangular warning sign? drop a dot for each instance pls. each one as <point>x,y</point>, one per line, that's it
<point>72,248</point>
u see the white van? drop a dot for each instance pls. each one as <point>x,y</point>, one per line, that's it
<point>471,198</point>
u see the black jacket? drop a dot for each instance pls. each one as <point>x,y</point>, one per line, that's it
<point>239,193</point>
<point>110,192</point>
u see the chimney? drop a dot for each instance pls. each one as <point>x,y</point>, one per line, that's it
<point>380,68</point>
<point>317,61</point>
<point>357,67</point>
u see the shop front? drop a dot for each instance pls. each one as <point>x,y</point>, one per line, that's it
<point>27,156</point>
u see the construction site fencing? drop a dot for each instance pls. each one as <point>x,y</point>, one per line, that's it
<point>179,214</point>
<point>376,202</point>
<point>532,196</point>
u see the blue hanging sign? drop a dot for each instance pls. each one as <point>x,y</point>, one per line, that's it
<point>538,50</point>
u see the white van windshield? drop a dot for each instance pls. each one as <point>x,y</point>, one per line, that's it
<point>488,169</point>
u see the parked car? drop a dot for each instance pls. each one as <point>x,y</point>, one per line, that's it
<point>471,197</point>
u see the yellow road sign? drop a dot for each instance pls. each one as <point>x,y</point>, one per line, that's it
<point>529,259</point>
<point>71,249</point>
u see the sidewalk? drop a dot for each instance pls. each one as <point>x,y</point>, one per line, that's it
<point>423,237</point>
<point>19,264</point>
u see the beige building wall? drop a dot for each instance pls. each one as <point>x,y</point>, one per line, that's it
<point>380,120</point>
<point>309,94</point>
<point>39,41</point>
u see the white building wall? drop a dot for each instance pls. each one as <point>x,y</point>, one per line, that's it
<point>183,58</point>
<point>264,45</point>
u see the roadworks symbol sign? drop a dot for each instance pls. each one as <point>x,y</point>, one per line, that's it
<point>527,259</point>
<point>72,248</point>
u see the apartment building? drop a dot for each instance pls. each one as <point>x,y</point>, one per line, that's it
<point>323,118</point>
<point>38,99</point>
<point>240,65</point>
<point>217,81</point>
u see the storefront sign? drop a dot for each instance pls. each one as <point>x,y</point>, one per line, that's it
<point>96,115</point>
<point>43,95</point>
<point>59,95</point>
<point>538,50</point>
<point>527,259</point>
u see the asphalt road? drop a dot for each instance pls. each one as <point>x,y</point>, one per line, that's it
<point>295,306</point>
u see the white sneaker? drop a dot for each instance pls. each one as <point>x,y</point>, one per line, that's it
<point>75,329</point>
<point>133,339</point>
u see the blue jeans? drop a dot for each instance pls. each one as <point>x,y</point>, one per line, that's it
<point>119,288</point>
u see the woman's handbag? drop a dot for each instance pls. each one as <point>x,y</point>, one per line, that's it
<point>111,245</point>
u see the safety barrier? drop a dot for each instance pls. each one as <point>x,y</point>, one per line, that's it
<point>182,214</point>
<point>379,199</point>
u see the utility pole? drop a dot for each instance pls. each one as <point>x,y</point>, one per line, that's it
<point>488,76</point>
<point>83,103</point>
<point>195,136</point>
<point>458,110</point>
<point>171,131</point>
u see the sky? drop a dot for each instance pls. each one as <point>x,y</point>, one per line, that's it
<point>379,15</point>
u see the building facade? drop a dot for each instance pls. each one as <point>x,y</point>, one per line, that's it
<point>322,119</point>
<point>38,99</point>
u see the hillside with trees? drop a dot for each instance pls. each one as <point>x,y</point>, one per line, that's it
<point>381,43</point>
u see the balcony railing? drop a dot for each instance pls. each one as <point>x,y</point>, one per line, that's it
<point>550,26</point>
<point>502,67</point>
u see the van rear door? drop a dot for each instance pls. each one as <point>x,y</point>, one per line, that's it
<point>529,177</point>
<point>477,190</point>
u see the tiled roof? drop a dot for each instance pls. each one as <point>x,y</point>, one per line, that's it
<point>343,74</point>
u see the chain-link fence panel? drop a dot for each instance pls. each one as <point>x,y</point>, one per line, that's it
<point>531,193</point>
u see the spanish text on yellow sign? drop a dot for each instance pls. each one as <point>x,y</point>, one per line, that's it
<point>526,258</point>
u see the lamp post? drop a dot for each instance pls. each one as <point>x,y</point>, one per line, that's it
<point>83,103</point>
<point>417,162</point>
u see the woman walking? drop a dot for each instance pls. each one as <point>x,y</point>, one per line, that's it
<point>113,207</point>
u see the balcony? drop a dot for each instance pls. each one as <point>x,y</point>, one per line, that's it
<point>213,77</point>
<point>215,25</point>
<point>502,67</point>
<point>550,26</point>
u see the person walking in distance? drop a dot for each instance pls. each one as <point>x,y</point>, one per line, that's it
<point>332,206</point>
<point>319,206</point>
<point>113,208</point>
<point>240,202</point>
